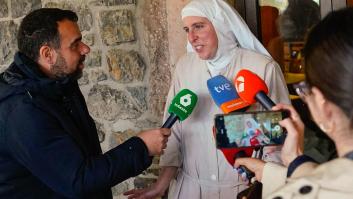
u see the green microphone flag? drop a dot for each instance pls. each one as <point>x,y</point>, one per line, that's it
<point>181,107</point>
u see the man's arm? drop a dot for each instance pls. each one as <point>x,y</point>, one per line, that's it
<point>41,145</point>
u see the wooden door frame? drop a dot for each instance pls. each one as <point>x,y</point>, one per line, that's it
<point>250,11</point>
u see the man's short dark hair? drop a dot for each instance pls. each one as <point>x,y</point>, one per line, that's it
<point>40,28</point>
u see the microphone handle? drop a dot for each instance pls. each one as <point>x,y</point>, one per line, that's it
<point>170,121</point>
<point>264,100</point>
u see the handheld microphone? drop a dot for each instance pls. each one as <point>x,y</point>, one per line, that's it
<point>181,107</point>
<point>226,97</point>
<point>252,88</point>
<point>224,94</point>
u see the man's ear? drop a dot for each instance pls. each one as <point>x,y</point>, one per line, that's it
<point>46,55</point>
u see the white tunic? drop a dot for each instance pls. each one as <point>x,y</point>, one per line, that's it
<point>204,171</point>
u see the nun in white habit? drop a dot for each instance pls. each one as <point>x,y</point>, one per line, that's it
<point>219,43</point>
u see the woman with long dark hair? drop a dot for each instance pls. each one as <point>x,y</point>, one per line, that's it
<point>328,92</point>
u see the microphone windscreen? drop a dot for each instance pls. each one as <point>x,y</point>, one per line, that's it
<point>183,104</point>
<point>248,84</point>
<point>224,94</point>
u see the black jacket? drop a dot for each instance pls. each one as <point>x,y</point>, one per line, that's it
<point>49,146</point>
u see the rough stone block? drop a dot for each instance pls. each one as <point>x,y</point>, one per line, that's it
<point>8,42</point>
<point>119,137</point>
<point>143,182</point>
<point>120,188</point>
<point>4,9</point>
<point>155,19</point>
<point>125,66</point>
<point>154,169</point>
<point>84,79</point>
<point>156,160</point>
<point>88,39</point>
<point>100,131</point>
<point>116,26</point>
<point>139,94</point>
<point>112,2</point>
<point>150,122</point>
<point>111,104</point>
<point>22,7</point>
<point>3,68</point>
<point>94,59</point>
<point>98,76</point>
<point>85,19</point>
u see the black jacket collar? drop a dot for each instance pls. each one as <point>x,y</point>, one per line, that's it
<point>25,73</point>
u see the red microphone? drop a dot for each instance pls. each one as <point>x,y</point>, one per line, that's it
<point>252,88</point>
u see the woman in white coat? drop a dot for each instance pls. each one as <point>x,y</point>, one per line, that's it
<point>219,43</point>
<point>328,92</point>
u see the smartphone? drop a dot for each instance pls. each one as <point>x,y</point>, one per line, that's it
<point>250,129</point>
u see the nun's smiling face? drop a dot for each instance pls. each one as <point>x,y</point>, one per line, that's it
<point>202,36</point>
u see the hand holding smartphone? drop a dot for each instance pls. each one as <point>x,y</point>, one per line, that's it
<point>250,129</point>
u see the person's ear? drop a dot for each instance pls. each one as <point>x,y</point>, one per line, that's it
<point>46,55</point>
<point>46,59</point>
<point>325,109</point>
<point>318,96</point>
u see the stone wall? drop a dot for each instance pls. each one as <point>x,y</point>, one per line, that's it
<point>176,34</point>
<point>127,73</point>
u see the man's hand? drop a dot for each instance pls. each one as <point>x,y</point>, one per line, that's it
<point>155,140</point>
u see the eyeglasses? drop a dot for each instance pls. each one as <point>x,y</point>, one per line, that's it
<point>302,89</point>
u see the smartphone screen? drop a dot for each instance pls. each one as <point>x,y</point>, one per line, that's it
<point>250,129</point>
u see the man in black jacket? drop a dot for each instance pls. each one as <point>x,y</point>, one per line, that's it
<point>49,146</point>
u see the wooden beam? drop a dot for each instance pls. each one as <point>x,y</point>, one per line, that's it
<point>325,7</point>
<point>253,17</point>
<point>240,7</point>
<point>338,4</point>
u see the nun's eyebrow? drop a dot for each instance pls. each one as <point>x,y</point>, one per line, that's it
<point>194,25</point>
<point>197,24</point>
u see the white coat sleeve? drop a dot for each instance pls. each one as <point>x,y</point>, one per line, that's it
<point>273,177</point>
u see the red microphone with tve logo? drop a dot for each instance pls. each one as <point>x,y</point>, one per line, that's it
<point>252,88</point>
